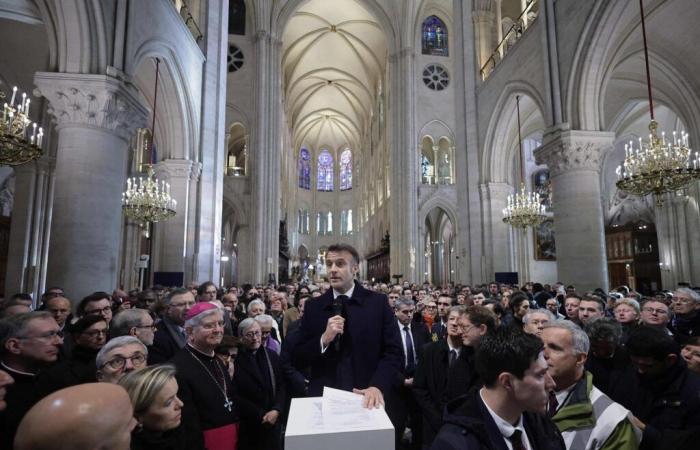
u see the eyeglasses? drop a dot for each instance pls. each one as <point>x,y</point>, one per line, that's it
<point>253,334</point>
<point>104,310</point>
<point>431,307</point>
<point>654,310</point>
<point>118,362</point>
<point>51,335</point>
<point>95,333</point>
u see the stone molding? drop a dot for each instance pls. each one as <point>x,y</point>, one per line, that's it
<point>176,168</point>
<point>495,191</point>
<point>567,151</point>
<point>99,101</point>
<point>196,171</point>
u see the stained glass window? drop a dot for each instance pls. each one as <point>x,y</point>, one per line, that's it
<point>325,171</point>
<point>435,37</point>
<point>304,169</point>
<point>346,170</point>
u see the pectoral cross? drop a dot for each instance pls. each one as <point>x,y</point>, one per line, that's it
<point>228,404</point>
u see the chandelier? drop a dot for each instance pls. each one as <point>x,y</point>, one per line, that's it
<point>658,165</point>
<point>148,200</point>
<point>20,139</point>
<point>524,209</point>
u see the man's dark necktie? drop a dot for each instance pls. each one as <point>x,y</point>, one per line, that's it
<point>553,404</point>
<point>410,358</point>
<point>516,439</point>
<point>453,356</point>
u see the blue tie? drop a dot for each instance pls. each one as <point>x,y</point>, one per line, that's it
<point>410,359</point>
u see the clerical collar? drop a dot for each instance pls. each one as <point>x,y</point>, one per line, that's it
<point>19,372</point>
<point>199,353</point>
<point>348,293</point>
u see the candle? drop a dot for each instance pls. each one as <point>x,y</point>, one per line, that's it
<point>14,91</point>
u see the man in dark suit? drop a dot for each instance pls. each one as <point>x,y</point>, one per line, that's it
<point>401,406</point>
<point>439,328</point>
<point>508,412</point>
<point>366,355</point>
<point>170,336</point>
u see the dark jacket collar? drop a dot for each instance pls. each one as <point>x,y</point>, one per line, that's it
<point>358,296</point>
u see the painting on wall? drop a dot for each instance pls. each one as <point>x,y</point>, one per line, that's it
<point>542,185</point>
<point>545,249</point>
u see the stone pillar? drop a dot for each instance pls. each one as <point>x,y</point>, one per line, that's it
<point>494,197</point>
<point>191,272</point>
<point>405,168</point>
<point>499,26</point>
<point>574,160</point>
<point>483,20</point>
<point>172,234</point>
<point>207,252</point>
<point>29,231</point>
<point>95,116</point>
<point>265,159</point>
<point>675,233</point>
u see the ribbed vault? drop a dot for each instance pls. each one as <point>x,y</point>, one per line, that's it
<point>333,56</point>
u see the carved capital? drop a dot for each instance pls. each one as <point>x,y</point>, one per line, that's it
<point>175,168</point>
<point>196,171</point>
<point>92,100</point>
<point>566,151</point>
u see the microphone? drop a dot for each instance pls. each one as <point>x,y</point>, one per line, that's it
<point>338,311</point>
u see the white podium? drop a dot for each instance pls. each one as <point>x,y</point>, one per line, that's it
<point>308,428</point>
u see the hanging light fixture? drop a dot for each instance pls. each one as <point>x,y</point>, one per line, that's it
<point>524,208</point>
<point>659,165</point>
<point>147,200</point>
<point>20,139</point>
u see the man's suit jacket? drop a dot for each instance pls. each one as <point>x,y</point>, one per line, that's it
<point>369,353</point>
<point>439,329</point>
<point>435,383</point>
<point>167,341</point>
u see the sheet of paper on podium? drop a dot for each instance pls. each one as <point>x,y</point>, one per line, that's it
<point>337,421</point>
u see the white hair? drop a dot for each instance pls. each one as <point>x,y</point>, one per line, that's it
<point>264,319</point>
<point>579,338</point>
<point>532,312</point>
<point>117,342</point>
<point>257,301</point>
<point>690,293</point>
<point>245,325</point>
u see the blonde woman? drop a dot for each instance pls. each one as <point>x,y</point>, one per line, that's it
<point>157,408</point>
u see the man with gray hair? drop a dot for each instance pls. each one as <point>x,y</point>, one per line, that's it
<point>587,418</point>
<point>535,320</point>
<point>686,307</point>
<point>267,323</point>
<point>209,414</point>
<point>120,356</point>
<point>134,322</point>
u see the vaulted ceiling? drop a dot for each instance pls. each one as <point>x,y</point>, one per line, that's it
<point>334,54</point>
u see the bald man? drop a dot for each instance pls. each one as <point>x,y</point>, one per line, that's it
<point>88,416</point>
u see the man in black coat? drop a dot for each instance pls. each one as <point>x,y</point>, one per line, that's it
<point>440,377</point>
<point>401,406</point>
<point>366,355</point>
<point>170,336</point>
<point>665,397</point>
<point>260,384</point>
<point>509,409</point>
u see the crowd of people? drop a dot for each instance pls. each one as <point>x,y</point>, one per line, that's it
<point>458,367</point>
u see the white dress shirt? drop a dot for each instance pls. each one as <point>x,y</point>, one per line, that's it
<point>505,427</point>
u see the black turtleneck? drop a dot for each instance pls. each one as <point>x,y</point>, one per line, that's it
<point>79,368</point>
<point>20,397</point>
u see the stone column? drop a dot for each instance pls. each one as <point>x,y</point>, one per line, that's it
<point>29,231</point>
<point>494,197</point>
<point>95,116</point>
<point>483,20</point>
<point>207,251</point>
<point>191,272</point>
<point>265,160</point>
<point>499,26</point>
<point>674,238</point>
<point>574,160</point>
<point>405,168</point>
<point>172,234</point>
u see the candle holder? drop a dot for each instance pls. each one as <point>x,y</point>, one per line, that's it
<point>20,138</point>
